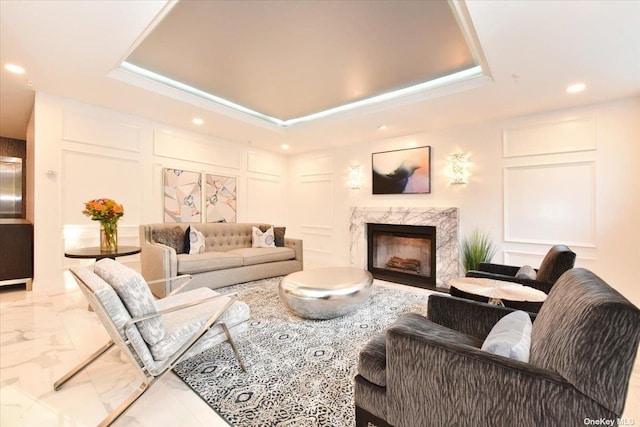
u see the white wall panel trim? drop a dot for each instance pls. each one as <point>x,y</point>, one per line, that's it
<point>264,163</point>
<point>550,203</point>
<point>86,129</point>
<point>564,136</point>
<point>179,147</point>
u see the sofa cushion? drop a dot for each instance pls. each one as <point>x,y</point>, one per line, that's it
<point>136,296</point>
<point>172,237</point>
<point>252,256</point>
<point>196,241</point>
<point>278,233</point>
<point>262,239</point>
<point>208,261</point>
<point>510,337</point>
<point>526,272</point>
<point>182,324</point>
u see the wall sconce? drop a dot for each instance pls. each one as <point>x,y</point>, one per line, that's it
<point>458,173</point>
<point>355,177</point>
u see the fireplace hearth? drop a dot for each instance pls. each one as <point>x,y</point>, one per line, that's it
<point>402,254</point>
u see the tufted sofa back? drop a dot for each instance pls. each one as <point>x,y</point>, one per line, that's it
<point>217,236</point>
<point>588,333</point>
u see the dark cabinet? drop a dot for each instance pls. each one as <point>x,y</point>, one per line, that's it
<point>16,252</point>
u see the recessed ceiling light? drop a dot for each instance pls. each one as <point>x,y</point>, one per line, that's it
<point>575,88</point>
<point>285,146</point>
<point>382,127</point>
<point>197,121</point>
<point>13,68</point>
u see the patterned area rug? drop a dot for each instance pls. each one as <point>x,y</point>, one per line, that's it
<point>299,372</point>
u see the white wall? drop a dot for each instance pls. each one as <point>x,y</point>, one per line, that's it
<point>84,152</point>
<point>568,176</point>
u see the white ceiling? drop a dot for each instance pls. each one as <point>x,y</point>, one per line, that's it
<point>72,48</point>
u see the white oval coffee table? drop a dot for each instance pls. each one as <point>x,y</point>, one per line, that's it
<point>325,293</point>
<point>497,291</point>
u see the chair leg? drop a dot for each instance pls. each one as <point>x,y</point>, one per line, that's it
<point>88,361</point>
<point>233,345</point>
<point>115,414</point>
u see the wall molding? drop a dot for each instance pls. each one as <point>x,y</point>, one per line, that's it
<point>88,129</point>
<point>550,137</point>
<point>524,198</point>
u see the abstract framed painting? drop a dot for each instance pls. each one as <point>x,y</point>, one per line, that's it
<point>405,171</point>
<point>182,195</point>
<point>221,196</point>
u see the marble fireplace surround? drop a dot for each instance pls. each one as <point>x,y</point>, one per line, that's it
<point>444,219</point>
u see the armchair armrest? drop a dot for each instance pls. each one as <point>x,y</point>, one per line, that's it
<point>469,317</point>
<point>431,381</point>
<point>167,285</point>
<point>177,356</point>
<point>507,270</point>
<point>536,284</point>
<point>157,261</point>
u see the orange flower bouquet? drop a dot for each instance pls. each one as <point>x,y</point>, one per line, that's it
<point>108,212</point>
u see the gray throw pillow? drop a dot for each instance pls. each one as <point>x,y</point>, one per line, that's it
<point>510,337</point>
<point>526,272</point>
<point>172,237</point>
<point>135,295</point>
<point>278,232</point>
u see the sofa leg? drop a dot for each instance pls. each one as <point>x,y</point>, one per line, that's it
<point>364,418</point>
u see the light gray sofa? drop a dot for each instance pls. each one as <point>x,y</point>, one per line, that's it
<point>228,258</point>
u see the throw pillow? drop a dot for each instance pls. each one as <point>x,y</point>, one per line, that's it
<point>196,241</point>
<point>187,241</point>
<point>526,272</point>
<point>172,237</point>
<point>278,234</point>
<point>262,239</point>
<point>135,295</point>
<point>510,337</point>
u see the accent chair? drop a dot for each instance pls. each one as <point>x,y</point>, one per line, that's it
<point>433,372</point>
<point>154,335</point>
<point>558,260</point>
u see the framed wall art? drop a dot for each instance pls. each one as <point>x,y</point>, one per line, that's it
<point>402,171</point>
<point>182,195</point>
<point>220,198</point>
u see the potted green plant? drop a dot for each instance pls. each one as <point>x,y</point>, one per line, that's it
<point>477,247</point>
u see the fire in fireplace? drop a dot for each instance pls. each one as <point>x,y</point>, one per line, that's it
<point>402,253</point>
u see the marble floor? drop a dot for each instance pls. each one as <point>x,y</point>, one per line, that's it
<point>46,332</point>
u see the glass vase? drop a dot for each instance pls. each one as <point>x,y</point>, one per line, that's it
<point>108,237</point>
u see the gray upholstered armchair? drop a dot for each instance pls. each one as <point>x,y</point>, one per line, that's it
<point>432,372</point>
<point>558,260</point>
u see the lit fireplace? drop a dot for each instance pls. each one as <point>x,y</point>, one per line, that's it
<point>402,253</point>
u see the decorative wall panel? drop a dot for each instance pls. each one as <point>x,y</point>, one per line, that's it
<point>85,177</point>
<point>178,147</point>
<point>316,202</point>
<point>265,163</point>
<point>265,201</point>
<point>86,129</point>
<point>548,138</point>
<point>550,204</point>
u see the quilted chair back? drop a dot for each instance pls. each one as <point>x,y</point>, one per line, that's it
<point>113,315</point>
<point>588,333</point>
<point>558,260</point>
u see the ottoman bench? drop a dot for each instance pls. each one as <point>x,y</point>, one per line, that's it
<point>325,293</point>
